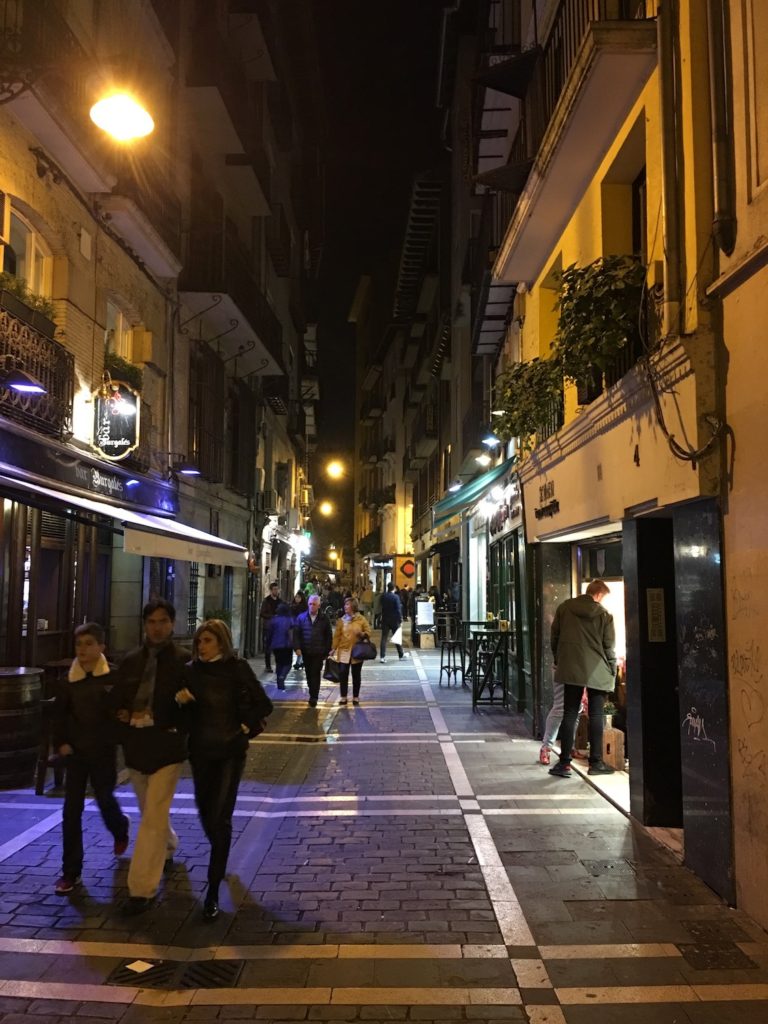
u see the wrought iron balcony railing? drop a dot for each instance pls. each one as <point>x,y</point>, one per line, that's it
<point>47,361</point>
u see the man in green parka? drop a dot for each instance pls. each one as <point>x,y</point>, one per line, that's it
<point>583,645</point>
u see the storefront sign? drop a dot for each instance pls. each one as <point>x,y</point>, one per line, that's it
<point>95,480</point>
<point>115,420</point>
<point>502,517</point>
<point>405,570</point>
<point>657,629</point>
<point>548,504</point>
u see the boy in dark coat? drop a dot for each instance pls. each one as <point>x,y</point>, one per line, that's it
<point>84,735</point>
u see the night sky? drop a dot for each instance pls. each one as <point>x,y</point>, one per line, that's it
<point>379,65</point>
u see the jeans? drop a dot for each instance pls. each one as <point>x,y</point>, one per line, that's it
<point>596,722</point>
<point>386,632</point>
<point>103,775</point>
<point>155,839</point>
<point>283,659</point>
<point>357,672</point>
<point>313,669</point>
<point>216,783</point>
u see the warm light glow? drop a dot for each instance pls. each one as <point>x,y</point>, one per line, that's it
<point>325,508</point>
<point>122,117</point>
<point>484,460</point>
<point>335,469</point>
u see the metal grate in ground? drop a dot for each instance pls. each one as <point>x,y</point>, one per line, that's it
<point>175,974</point>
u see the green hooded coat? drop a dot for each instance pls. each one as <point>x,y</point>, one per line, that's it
<point>583,644</point>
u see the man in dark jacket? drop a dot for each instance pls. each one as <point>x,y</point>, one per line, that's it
<point>313,639</point>
<point>391,620</point>
<point>266,614</point>
<point>583,645</point>
<point>155,745</point>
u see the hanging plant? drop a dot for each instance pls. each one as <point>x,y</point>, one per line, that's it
<point>599,310</point>
<point>531,396</point>
<point>18,286</point>
<point>122,369</point>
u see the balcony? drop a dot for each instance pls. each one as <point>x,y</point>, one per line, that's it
<point>475,419</point>
<point>384,449</point>
<point>51,364</point>
<point>593,66</point>
<point>227,119</point>
<point>491,300</point>
<point>424,430</point>
<point>218,286</point>
<point>412,464</point>
<point>275,393</point>
<point>310,381</point>
<point>385,496</point>
<point>297,424</point>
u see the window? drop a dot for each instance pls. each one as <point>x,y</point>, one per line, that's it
<point>118,333</point>
<point>26,255</point>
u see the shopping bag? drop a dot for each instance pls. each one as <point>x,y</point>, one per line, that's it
<point>331,672</point>
<point>397,636</point>
<point>364,650</point>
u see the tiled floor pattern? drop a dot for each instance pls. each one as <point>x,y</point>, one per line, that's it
<point>401,860</point>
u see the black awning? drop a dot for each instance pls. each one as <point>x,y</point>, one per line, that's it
<point>511,76</point>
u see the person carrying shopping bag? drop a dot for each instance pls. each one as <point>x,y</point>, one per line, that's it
<point>351,629</point>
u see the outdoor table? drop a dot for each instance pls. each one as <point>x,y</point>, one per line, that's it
<point>490,651</point>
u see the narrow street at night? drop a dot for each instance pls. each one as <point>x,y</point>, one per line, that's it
<point>405,859</point>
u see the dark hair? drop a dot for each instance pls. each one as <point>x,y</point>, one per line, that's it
<point>274,583</point>
<point>158,604</point>
<point>219,629</point>
<point>90,629</point>
<point>282,609</point>
<point>390,586</point>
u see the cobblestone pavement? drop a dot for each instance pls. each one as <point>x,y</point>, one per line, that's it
<point>401,860</point>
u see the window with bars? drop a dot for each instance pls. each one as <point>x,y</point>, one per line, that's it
<point>242,440</point>
<point>207,399</point>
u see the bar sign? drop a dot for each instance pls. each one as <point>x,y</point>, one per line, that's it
<point>657,626</point>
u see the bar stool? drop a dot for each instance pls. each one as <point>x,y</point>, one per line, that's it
<point>451,661</point>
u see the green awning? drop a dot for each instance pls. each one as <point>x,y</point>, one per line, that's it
<point>470,493</point>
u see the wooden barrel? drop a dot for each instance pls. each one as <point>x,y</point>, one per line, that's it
<point>21,690</point>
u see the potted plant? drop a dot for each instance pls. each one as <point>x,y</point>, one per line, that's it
<point>600,309</point>
<point>121,369</point>
<point>609,710</point>
<point>530,395</point>
<point>35,310</point>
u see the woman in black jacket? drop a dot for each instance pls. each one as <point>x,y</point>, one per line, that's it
<point>227,705</point>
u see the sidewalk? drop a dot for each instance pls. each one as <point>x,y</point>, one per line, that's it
<point>407,859</point>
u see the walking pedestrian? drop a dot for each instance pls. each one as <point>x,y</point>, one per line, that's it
<point>583,645</point>
<point>350,628</point>
<point>298,605</point>
<point>85,735</point>
<point>155,746</point>
<point>391,621</point>
<point>313,637</point>
<point>280,638</point>
<point>554,721</point>
<point>227,705</point>
<point>266,613</point>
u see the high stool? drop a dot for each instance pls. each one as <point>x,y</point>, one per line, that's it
<point>451,661</point>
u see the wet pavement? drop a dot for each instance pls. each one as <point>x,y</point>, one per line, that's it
<point>406,859</point>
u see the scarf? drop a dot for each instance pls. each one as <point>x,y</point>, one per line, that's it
<point>77,672</point>
<point>141,715</point>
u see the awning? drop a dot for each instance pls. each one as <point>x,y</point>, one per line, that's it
<point>143,534</point>
<point>470,492</point>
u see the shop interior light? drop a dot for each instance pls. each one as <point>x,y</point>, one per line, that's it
<point>484,459</point>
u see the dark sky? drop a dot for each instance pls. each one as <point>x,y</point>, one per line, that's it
<point>379,66</point>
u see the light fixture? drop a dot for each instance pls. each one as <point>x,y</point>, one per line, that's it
<point>133,482</point>
<point>326,508</point>
<point>455,486</point>
<point>181,465</point>
<point>122,116</point>
<point>484,459</point>
<point>497,412</point>
<point>335,469</point>
<point>13,377</point>
<point>491,441</point>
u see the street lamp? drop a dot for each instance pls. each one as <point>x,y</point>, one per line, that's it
<point>122,116</point>
<point>335,469</point>
<point>326,508</point>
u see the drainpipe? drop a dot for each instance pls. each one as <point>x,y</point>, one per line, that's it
<point>724,223</point>
<point>672,164</point>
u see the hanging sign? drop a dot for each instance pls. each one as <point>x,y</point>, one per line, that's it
<point>115,420</point>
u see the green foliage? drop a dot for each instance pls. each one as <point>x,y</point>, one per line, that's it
<point>122,369</point>
<point>18,286</point>
<point>225,614</point>
<point>527,393</point>
<point>599,311</point>
<point>609,708</point>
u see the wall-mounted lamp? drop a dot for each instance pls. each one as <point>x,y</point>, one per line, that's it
<point>455,486</point>
<point>491,441</point>
<point>15,378</point>
<point>181,465</point>
<point>484,459</point>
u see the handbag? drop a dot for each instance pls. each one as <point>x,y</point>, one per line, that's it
<point>331,671</point>
<point>364,650</point>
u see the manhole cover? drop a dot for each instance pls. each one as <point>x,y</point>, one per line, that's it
<point>159,975</point>
<point>715,956</point>
<point>211,974</point>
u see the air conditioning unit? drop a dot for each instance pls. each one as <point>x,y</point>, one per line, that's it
<point>266,501</point>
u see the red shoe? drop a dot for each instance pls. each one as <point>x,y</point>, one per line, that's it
<point>544,755</point>
<point>65,884</point>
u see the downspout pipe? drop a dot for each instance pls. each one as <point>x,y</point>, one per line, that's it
<point>724,222</point>
<point>672,163</point>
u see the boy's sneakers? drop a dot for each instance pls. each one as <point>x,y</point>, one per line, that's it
<point>563,770</point>
<point>66,884</point>
<point>544,755</point>
<point>600,768</point>
<point>121,844</point>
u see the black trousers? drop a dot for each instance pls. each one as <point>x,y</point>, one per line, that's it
<point>283,660</point>
<point>102,772</point>
<point>386,632</point>
<point>267,649</point>
<point>313,668</point>
<point>571,705</point>
<point>357,672</point>
<point>216,783</point>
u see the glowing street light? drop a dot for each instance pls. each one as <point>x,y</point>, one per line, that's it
<point>122,116</point>
<point>335,469</point>
<point>326,508</point>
